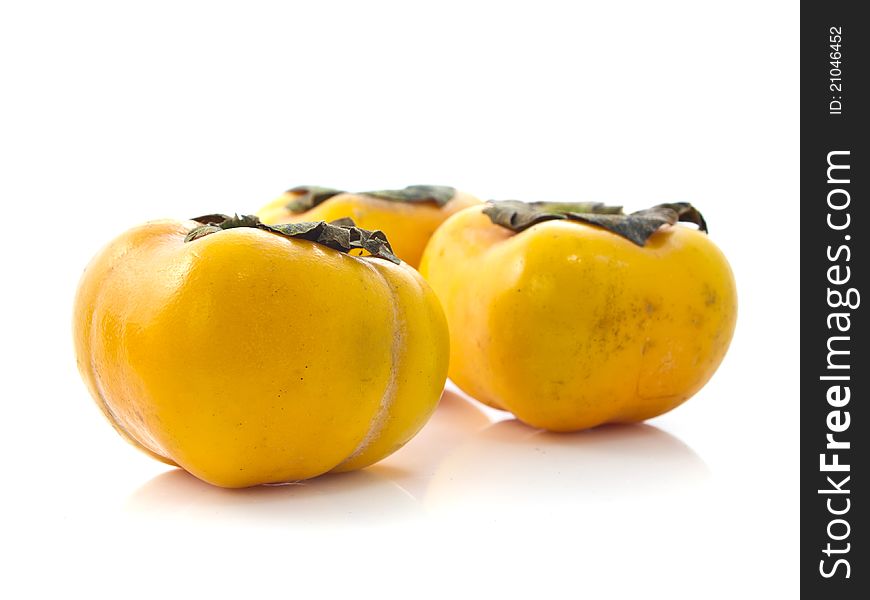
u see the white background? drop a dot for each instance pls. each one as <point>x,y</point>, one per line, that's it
<point>114,113</point>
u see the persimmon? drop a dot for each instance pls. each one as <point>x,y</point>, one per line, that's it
<point>252,354</point>
<point>570,316</point>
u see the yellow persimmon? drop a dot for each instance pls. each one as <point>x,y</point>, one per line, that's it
<point>408,216</point>
<point>570,318</point>
<point>248,354</point>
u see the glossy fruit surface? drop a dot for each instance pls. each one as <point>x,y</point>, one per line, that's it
<point>248,357</point>
<point>569,325</point>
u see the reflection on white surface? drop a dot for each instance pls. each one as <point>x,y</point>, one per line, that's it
<point>460,459</point>
<point>356,498</point>
<point>456,420</point>
<point>509,462</point>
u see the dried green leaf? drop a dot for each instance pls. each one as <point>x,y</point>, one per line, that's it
<point>639,226</point>
<point>636,227</point>
<point>201,231</point>
<point>517,215</point>
<point>437,194</point>
<point>218,222</point>
<point>240,221</point>
<point>341,234</point>
<point>215,219</point>
<point>311,196</point>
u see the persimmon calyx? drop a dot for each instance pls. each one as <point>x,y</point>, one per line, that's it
<point>636,227</point>
<point>307,197</point>
<point>342,234</point>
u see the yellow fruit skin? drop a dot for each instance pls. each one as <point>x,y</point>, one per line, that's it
<point>408,226</point>
<point>247,358</point>
<point>569,326</point>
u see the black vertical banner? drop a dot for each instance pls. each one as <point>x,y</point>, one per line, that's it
<point>835,342</point>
